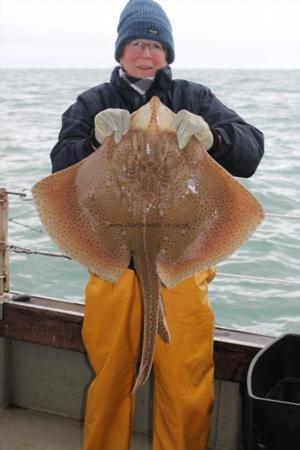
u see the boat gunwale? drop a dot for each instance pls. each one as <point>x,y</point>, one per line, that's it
<point>57,323</point>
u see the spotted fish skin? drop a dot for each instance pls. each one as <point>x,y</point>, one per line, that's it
<point>176,212</point>
<point>143,233</point>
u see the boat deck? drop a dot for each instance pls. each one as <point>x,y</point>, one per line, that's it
<point>24,429</point>
<point>43,360</point>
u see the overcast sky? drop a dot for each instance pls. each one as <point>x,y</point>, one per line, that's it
<point>207,34</point>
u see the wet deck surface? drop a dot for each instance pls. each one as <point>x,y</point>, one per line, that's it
<point>22,429</point>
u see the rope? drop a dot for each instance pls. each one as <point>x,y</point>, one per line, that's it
<point>265,279</point>
<point>29,251</point>
<point>25,194</point>
<point>25,226</point>
<point>283,216</point>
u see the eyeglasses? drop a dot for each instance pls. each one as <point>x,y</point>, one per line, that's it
<point>154,47</point>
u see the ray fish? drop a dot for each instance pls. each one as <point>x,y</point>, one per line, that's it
<point>176,212</point>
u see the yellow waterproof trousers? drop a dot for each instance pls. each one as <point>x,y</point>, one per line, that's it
<point>183,369</point>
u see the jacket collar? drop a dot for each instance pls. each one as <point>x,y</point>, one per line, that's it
<point>133,100</point>
<point>163,77</point>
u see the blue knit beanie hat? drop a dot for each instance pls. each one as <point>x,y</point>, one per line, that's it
<point>144,19</point>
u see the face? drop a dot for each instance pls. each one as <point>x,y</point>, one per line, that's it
<point>142,58</point>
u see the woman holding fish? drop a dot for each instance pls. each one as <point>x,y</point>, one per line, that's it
<point>112,330</point>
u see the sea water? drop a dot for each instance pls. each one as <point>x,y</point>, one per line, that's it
<point>32,102</point>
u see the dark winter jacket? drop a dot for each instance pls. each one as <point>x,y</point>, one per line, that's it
<point>238,146</point>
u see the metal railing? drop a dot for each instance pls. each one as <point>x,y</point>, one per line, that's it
<point>25,195</point>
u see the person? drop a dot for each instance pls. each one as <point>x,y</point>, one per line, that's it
<point>183,369</point>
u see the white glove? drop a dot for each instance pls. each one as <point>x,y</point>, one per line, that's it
<point>111,121</point>
<point>187,125</point>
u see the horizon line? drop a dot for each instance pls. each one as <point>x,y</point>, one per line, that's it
<point>173,68</point>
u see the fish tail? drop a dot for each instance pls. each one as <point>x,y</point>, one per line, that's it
<point>151,301</point>
<point>163,329</point>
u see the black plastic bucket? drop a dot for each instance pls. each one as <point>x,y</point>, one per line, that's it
<point>273,384</point>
